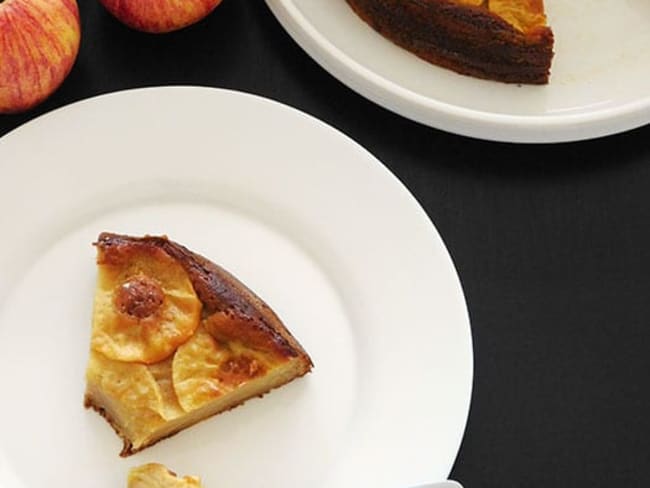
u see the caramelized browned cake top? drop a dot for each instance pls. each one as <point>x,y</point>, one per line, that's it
<point>230,311</point>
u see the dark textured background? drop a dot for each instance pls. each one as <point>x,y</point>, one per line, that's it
<point>552,244</point>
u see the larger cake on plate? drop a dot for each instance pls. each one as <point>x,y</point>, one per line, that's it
<point>503,40</point>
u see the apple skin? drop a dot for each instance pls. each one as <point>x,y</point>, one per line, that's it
<point>159,16</point>
<point>39,42</point>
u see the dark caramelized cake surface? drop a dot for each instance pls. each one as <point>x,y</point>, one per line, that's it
<point>503,40</point>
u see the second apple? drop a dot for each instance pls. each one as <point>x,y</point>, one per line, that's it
<point>158,16</point>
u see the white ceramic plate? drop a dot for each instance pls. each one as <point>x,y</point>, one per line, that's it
<point>303,215</point>
<point>599,83</point>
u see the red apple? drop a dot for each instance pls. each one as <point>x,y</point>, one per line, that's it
<point>39,42</point>
<point>159,16</point>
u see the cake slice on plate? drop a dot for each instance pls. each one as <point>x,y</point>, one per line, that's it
<point>503,40</point>
<point>176,339</point>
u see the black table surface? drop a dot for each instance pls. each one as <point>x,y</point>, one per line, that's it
<point>551,242</point>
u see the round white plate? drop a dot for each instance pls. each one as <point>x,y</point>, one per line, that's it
<point>304,216</point>
<point>599,82</point>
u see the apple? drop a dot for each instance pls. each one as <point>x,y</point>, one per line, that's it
<point>39,42</point>
<point>158,16</point>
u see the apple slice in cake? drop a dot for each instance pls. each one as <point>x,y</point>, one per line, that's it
<point>154,475</point>
<point>176,339</point>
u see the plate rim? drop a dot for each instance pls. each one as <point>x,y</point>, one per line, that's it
<point>448,117</point>
<point>377,165</point>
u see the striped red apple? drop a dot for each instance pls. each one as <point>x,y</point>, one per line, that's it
<point>39,42</point>
<point>158,16</point>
